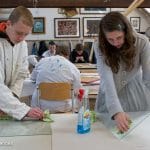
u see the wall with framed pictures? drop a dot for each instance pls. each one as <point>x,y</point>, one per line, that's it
<point>86,17</point>
<point>52,31</point>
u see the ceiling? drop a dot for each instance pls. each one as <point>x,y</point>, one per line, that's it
<point>70,3</point>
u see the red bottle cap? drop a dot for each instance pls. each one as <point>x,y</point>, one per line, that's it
<point>81,93</point>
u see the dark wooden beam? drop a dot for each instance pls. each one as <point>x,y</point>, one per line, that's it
<point>71,3</point>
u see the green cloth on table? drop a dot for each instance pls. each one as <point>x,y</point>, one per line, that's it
<point>93,116</point>
<point>5,117</point>
<point>47,116</point>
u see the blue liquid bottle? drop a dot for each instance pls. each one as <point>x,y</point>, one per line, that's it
<point>83,124</point>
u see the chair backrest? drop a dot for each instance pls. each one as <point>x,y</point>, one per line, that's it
<point>56,91</point>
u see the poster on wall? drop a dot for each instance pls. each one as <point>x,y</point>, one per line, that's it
<point>39,25</point>
<point>91,26</point>
<point>67,27</point>
<point>135,22</point>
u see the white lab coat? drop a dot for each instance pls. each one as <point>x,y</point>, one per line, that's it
<point>55,69</point>
<point>13,70</point>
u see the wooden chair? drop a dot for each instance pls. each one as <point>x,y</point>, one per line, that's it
<point>56,91</point>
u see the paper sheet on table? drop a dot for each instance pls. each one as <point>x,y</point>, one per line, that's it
<point>136,117</point>
<point>88,79</point>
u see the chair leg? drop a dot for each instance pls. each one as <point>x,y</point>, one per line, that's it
<point>38,97</point>
<point>72,101</point>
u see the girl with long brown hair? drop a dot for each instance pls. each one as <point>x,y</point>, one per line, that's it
<point>123,62</point>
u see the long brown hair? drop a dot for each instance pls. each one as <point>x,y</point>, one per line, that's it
<point>115,21</point>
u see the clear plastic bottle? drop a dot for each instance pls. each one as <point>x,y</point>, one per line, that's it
<point>84,123</point>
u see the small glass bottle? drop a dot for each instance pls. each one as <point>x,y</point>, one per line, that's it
<point>83,124</point>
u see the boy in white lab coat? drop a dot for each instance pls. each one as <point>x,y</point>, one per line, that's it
<point>14,65</point>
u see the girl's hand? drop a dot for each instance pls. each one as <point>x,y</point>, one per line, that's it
<point>122,121</point>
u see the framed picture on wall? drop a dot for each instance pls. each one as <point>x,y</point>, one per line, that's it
<point>135,22</point>
<point>118,9</point>
<point>91,26</point>
<point>67,27</point>
<point>89,47</point>
<point>94,10</point>
<point>39,25</point>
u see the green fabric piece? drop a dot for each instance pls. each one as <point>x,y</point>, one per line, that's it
<point>47,116</point>
<point>6,117</point>
<point>93,116</point>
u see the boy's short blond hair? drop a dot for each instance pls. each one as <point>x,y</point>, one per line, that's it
<point>21,13</point>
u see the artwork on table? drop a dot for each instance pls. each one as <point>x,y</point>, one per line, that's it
<point>91,26</point>
<point>39,25</point>
<point>67,27</point>
<point>135,22</point>
<point>94,10</point>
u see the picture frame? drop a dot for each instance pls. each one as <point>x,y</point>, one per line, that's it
<point>89,48</point>
<point>66,27</point>
<point>94,10</point>
<point>91,26</point>
<point>39,25</point>
<point>118,9</point>
<point>135,22</point>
